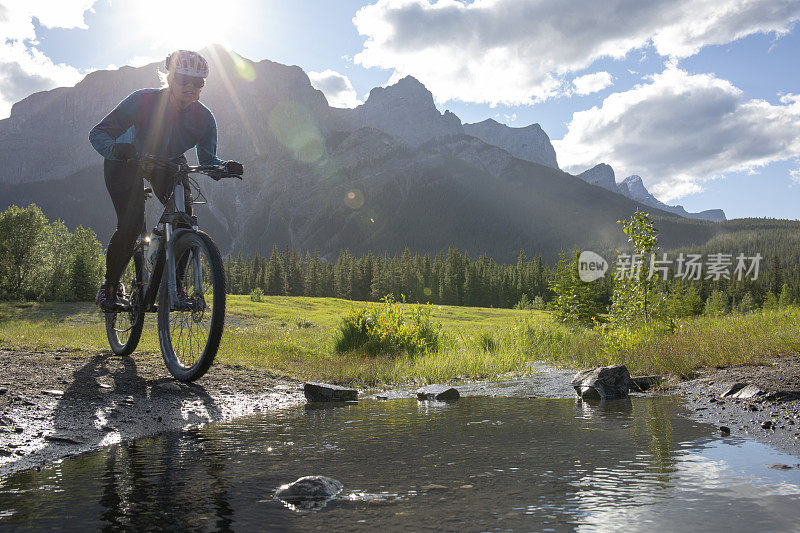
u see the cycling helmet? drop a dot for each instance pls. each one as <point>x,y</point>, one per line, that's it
<point>187,62</point>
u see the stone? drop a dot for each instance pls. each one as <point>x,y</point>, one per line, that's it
<point>767,424</point>
<point>748,392</point>
<point>643,383</point>
<point>440,393</point>
<point>53,392</point>
<point>724,431</point>
<point>779,466</point>
<point>322,392</point>
<point>733,389</point>
<point>603,383</point>
<point>309,492</point>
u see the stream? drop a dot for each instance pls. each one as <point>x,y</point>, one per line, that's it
<point>479,464</point>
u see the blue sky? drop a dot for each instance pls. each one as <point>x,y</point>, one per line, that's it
<point>697,97</point>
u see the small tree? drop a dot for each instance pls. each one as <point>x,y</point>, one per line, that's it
<point>785,299</point>
<point>637,298</point>
<point>770,302</point>
<point>747,304</point>
<point>86,271</point>
<point>574,301</point>
<point>717,303</point>
<point>22,249</point>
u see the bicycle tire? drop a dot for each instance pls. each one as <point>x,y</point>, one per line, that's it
<point>182,333</point>
<point>124,329</point>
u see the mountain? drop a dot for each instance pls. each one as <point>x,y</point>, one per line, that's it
<point>632,187</point>
<point>601,175</point>
<point>391,173</point>
<point>530,143</point>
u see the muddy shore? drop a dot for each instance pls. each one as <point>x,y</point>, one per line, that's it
<point>57,404</point>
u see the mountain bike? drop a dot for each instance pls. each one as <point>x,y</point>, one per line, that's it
<point>178,274</point>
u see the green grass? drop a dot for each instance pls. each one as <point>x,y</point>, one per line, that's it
<point>294,336</point>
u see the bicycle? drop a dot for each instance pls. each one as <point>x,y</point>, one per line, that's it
<point>189,325</point>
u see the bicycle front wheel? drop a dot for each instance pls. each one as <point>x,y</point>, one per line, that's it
<point>190,332</point>
<point>124,329</point>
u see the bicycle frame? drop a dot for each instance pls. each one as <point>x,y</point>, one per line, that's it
<point>174,214</point>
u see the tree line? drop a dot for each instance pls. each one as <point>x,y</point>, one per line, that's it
<point>43,260</point>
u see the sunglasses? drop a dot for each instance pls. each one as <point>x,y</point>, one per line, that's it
<point>185,79</point>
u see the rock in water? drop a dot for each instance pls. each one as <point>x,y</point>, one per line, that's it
<point>322,392</point>
<point>309,492</point>
<point>604,383</point>
<point>441,393</point>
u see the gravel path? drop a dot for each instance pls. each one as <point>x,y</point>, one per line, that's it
<point>56,404</point>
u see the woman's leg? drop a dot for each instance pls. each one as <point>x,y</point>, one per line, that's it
<point>127,194</point>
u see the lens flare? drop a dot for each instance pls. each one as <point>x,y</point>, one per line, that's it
<point>295,128</point>
<point>354,199</point>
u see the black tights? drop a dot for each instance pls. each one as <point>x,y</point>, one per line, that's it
<point>127,193</point>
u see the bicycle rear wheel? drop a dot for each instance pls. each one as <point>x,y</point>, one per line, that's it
<point>190,335</point>
<point>124,329</point>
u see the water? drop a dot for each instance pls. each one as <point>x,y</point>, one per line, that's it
<point>479,464</point>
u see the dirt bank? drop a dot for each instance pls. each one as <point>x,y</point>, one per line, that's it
<point>57,404</point>
<point>773,419</point>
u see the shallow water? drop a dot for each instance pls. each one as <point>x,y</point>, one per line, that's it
<point>477,464</point>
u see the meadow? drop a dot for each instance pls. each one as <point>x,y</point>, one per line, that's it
<point>295,337</point>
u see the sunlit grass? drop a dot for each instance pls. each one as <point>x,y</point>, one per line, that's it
<point>294,337</point>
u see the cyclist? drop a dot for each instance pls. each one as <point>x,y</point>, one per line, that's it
<point>161,122</point>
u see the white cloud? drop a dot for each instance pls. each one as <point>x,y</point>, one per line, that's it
<point>795,175</point>
<point>592,83</point>
<point>678,130</point>
<point>23,68</point>
<point>518,51</point>
<point>336,88</point>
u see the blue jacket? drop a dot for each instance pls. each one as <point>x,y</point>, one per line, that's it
<point>145,119</point>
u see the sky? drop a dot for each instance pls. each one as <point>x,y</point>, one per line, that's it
<point>701,98</point>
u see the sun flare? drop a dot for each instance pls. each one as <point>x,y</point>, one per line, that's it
<point>187,24</point>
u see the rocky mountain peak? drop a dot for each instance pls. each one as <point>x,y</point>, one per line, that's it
<point>405,110</point>
<point>601,175</point>
<point>636,188</point>
<point>530,143</point>
<point>407,90</point>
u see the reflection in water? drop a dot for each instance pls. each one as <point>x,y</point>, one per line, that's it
<point>477,464</point>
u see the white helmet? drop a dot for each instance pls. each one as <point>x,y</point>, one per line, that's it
<point>187,62</point>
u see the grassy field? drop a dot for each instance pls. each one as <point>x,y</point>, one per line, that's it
<point>293,336</point>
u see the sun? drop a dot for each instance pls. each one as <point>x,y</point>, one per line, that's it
<point>187,24</point>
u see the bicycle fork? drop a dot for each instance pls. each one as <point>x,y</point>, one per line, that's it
<point>172,276</point>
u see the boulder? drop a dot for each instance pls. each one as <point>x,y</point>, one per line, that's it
<point>643,383</point>
<point>603,383</point>
<point>322,392</point>
<point>309,492</point>
<point>441,393</point>
<point>733,389</point>
<point>747,392</point>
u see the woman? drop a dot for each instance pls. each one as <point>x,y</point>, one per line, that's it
<point>161,122</point>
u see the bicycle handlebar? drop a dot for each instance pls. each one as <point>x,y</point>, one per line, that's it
<point>215,172</point>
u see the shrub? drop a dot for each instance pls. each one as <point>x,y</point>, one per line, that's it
<point>386,328</point>
<point>716,304</point>
<point>574,302</point>
<point>257,295</point>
